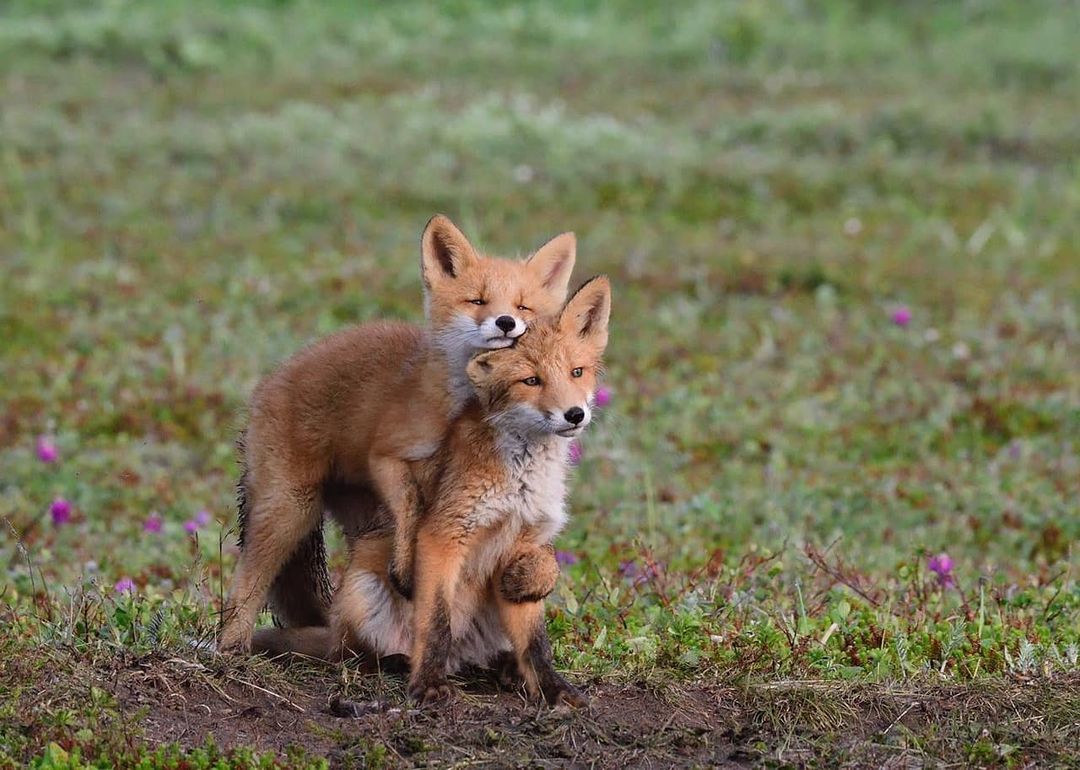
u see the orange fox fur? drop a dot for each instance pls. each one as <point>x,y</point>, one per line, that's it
<point>496,487</point>
<point>361,407</point>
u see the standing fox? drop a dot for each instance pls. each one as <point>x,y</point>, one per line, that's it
<point>360,407</point>
<point>496,488</point>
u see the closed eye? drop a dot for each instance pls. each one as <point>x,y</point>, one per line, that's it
<point>524,309</point>
<point>531,381</point>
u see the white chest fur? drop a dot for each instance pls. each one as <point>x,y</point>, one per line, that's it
<point>531,499</point>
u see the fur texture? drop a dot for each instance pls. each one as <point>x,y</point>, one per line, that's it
<point>361,407</point>
<point>484,560</point>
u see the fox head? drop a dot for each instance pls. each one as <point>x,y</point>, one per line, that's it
<point>475,302</point>
<point>546,383</point>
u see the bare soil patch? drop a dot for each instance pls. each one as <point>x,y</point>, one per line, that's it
<point>364,721</point>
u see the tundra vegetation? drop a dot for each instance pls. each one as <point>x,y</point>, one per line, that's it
<point>829,513</point>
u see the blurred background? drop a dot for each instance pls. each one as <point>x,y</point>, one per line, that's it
<point>843,238</point>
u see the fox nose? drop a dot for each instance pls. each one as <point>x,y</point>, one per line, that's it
<point>574,415</point>
<point>506,323</point>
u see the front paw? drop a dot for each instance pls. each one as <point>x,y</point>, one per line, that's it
<point>232,642</point>
<point>559,692</point>
<point>401,578</point>
<point>430,692</point>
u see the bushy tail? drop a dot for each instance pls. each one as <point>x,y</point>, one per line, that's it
<point>312,642</point>
<point>301,593</point>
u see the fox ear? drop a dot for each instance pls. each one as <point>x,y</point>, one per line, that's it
<point>480,367</point>
<point>586,313</point>
<point>444,250</point>
<point>553,262</point>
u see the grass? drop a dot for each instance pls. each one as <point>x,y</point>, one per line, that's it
<point>191,191</point>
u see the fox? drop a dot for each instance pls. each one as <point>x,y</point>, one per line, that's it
<point>363,406</point>
<point>484,560</point>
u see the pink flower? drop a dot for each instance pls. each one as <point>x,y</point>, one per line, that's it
<point>575,452</point>
<point>153,523</point>
<point>942,566</point>
<point>124,585</point>
<point>60,510</point>
<point>603,397</point>
<point>901,316</point>
<point>46,450</point>
<point>202,518</point>
<point>566,558</point>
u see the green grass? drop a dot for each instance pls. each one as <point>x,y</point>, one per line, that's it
<point>190,192</point>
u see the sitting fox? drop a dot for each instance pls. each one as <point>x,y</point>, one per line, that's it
<point>484,561</point>
<point>360,408</point>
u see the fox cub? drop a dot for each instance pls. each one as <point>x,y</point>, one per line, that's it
<point>484,561</point>
<point>360,408</point>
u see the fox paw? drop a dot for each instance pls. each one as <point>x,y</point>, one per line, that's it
<point>429,693</point>
<point>571,697</point>
<point>559,692</point>
<point>232,644</point>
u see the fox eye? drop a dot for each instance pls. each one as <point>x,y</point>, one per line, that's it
<point>532,381</point>
<point>477,301</point>
<point>524,309</point>
<point>577,372</point>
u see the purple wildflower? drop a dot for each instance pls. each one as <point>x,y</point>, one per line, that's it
<point>637,574</point>
<point>1015,450</point>
<point>153,523</point>
<point>901,316</point>
<point>46,450</point>
<point>201,519</point>
<point>575,452</point>
<point>942,566</point>
<point>603,397</point>
<point>60,510</point>
<point>566,558</point>
<point>124,585</point>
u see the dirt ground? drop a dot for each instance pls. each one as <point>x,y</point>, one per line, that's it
<point>364,722</point>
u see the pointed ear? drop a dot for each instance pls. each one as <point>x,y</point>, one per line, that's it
<point>480,367</point>
<point>553,262</point>
<point>587,312</point>
<point>444,251</point>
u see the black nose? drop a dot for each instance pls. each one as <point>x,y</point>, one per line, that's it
<point>506,323</point>
<point>574,415</point>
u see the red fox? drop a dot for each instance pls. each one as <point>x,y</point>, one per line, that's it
<point>359,407</point>
<point>483,554</point>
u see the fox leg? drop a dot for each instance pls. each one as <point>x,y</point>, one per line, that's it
<point>440,558</point>
<point>523,621</point>
<point>301,593</point>
<point>396,486</point>
<point>272,527</point>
